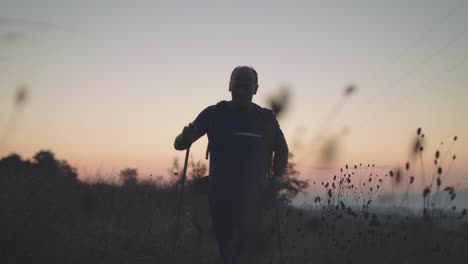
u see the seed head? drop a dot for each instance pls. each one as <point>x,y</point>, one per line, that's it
<point>419,131</point>
<point>398,176</point>
<point>349,90</point>
<point>426,192</point>
<point>21,95</point>
<point>280,101</point>
<point>439,170</point>
<point>416,145</point>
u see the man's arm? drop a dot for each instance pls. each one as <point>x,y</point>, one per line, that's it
<point>179,142</point>
<point>186,138</point>
<point>193,131</point>
<point>281,151</point>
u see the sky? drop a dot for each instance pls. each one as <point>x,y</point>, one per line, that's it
<point>112,83</point>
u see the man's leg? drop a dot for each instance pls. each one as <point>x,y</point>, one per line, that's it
<point>224,218</point>
<point>251,232</point>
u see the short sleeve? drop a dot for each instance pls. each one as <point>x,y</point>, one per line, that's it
<point>203,120</point>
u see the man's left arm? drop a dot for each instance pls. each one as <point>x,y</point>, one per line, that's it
<point>281,151</point>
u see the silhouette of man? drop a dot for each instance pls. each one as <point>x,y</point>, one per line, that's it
<point>242,139</point>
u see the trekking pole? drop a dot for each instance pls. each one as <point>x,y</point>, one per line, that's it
<point>278,233</point>
<point>179,202</point>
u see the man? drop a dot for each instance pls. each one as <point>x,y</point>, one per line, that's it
<point>242,138</point>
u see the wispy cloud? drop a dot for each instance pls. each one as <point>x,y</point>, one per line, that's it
<point>38,25</point>
<point>4,21</point>
<point>11,37</point>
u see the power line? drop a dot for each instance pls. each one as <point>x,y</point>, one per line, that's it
<point>426,33</point>
<point>421,63</point>
<point>415,43</point>
<point>400,101</point>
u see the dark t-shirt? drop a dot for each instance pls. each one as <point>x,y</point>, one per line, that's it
<point>241,146</point>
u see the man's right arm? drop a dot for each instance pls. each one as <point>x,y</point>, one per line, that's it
<point>185,139</point>
<point>194,130</point>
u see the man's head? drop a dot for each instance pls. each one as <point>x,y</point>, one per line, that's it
<point>243,86</point>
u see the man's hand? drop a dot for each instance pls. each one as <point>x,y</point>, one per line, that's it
<point>186,138</point>
<point>188,133</point>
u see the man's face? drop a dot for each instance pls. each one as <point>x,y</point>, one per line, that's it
<point>242,88</point>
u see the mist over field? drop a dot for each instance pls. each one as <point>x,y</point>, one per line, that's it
<point>387,202</point>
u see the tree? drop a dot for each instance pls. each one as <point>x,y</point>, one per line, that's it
<point>46,162</point>
<point>129,176</point>
<point>197,170</point>
<point>174,172</point>
<point>198,181</point>
<point>65,170</point>
<point>289,185</point>
<point>45,159</point>
<point>13,160</point>
<point>11,164</point>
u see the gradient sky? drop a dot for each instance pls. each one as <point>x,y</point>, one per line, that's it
<point>111,83</point>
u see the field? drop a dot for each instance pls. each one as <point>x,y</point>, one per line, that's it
<point>48,216</point>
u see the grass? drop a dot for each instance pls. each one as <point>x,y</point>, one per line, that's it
<point>48,216</point>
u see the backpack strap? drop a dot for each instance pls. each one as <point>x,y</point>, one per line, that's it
<point>217,113</point>
<point>267,126</point>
